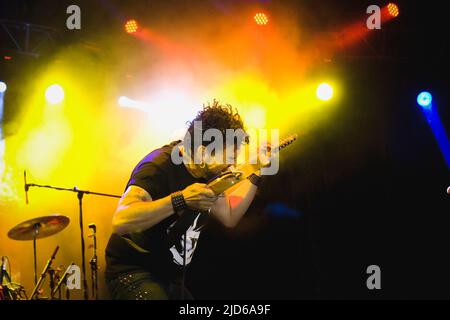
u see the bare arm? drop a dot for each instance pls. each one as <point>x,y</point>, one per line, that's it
<point>136,211</point>
<point>230,208</point>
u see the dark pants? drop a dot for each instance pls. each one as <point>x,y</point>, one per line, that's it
<point>142,286</point>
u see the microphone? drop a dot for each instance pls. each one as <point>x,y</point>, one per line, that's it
<point>93,227</point>
<point>26,186</point>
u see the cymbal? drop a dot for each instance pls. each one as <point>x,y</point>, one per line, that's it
<point>45,226</point>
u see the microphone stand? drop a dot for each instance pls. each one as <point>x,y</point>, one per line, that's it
<point>51,272</point>
<point>93,263</point>
<point>80,194</point>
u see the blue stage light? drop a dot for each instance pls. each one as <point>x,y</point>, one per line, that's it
<point>424,99</point>
<point>3,87</point>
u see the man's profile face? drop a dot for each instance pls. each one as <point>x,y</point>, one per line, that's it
<point>220,160</point>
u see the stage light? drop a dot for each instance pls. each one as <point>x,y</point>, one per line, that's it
<point>122,101</point>
<point>424,99</point>
<point>131,26</point>
<point>54,94</point>
<point>393,10</point>
<point>126,102</point>
<point>324,92</point>
<point>261,19</point>
<point>3,87</point>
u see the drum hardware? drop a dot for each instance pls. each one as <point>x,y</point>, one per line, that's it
<point>61,280</point>
<point>38,228</point>
<point>4,272</point>
<point>10,290</point>
<point>80,195</point>
<point>43,274</point>
<point>52,276</point>
<point>13,291</point>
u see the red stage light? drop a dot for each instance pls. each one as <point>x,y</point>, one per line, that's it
<point>261,19</point>
<point>7,57</point>
<point>393,10</point>
<point>131,26</point>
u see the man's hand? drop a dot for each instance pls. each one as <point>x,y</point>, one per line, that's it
<point>257,161</point>
<point>199,197</point>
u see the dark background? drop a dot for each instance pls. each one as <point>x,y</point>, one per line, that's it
<point>368,190</point>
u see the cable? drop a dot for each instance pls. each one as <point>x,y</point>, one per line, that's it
<point>184,267</point>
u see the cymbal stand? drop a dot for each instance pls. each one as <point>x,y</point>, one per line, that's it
<point>36,233</point>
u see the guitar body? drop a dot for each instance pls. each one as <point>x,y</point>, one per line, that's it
<point>225,181</point>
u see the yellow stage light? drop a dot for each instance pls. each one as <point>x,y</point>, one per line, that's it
<point>324,92</point>
<point>54,94</point>
<point>131,26</point>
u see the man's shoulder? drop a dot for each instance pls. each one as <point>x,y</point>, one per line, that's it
<point>160,157</point>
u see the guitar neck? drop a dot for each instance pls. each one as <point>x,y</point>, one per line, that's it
<point>287,142</point>
<point>231,178</point>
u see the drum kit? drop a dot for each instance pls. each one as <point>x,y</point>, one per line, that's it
<point>32,230</point>
<point>44,227</point>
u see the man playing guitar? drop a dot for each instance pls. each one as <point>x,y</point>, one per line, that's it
<point>159,218</point>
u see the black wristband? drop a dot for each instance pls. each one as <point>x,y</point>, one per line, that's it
<point>255,179</point>
<point>178,202</point>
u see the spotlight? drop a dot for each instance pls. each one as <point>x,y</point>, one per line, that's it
<point>324,92</point>
<point>131,26</point>
<point>261,19</point>
<point>54,94</point>
<point>126,102</point>
<point>3,87</point>
<point>393,10</point>
<point>424,99</point>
